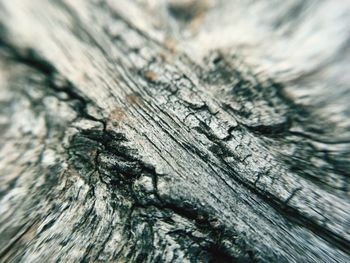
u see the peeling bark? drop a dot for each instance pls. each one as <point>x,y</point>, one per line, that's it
<point>136,131</point>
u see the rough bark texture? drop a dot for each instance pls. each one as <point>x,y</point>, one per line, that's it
<point>163,131</point>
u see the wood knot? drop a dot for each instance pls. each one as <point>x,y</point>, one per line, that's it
<point>171,44</point>
<point>133,98</point>
<point>117,114</point>
<point>151,75</point>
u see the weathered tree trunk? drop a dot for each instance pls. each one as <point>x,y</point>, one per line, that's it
<point>188,131</point>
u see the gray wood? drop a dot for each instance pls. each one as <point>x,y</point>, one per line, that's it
<point>174,131</point>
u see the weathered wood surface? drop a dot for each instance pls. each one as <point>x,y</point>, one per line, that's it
<point>155,131</point>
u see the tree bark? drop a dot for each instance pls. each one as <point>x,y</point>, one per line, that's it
<point>174,131</point>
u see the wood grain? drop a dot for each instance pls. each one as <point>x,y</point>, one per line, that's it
<point>174,131</point>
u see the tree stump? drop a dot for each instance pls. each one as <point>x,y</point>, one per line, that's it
<point>174,131</point>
